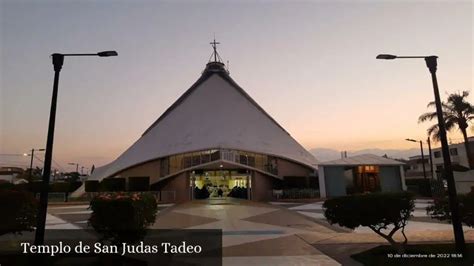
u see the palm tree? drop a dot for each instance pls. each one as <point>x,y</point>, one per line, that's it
<point>457,113</point>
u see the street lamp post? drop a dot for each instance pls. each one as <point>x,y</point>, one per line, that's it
<point>422,156</point>
<point>431,158</point>
<point>77,166</point>
<point>31,161</point>
<point>431,63</point>
<point>58,60</point>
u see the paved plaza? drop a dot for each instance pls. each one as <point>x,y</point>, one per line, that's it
<point>275,233</point>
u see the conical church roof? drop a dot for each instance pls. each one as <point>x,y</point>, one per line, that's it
<point>214,113</point>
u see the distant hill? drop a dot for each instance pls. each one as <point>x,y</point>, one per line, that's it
<point>324,154</point>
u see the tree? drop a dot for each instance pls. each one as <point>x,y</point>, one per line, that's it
<point>457,112</point>
<point>383,213</point>
<point>73,176</point>
<point>35,174</point>
<point>440,209</point>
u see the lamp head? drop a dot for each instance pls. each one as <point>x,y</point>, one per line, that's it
<point>386,56</point>
<point>107,53</point>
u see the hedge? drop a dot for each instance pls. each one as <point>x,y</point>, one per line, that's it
<point>18,211</point>
<point>122,217</point>
<point>112,184</point>
<point>91,185</point>
<point>6,186</point>
<point>35,187</point>
<point>201,193</point>
<point>420,187</point>
<point>139,183</point>
<point>238,192</point>
<point>300,193</point>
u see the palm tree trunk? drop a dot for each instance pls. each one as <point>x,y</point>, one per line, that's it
<point>468,148</point>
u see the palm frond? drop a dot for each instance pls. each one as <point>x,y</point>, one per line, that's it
<point>433,133</point>
<point>427,117</point>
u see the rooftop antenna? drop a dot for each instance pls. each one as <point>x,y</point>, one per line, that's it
<point>228,66</point>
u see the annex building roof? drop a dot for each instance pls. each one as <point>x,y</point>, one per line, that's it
<point>363,159</point>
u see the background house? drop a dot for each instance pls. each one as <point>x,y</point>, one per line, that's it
<point>359,174</point>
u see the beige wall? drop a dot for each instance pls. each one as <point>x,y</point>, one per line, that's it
<point>464,181</point>
<point>262,186</point>
<point>151,169</point>
<point>179,184</point>
<point>287,168</point>
<point>261,183</point>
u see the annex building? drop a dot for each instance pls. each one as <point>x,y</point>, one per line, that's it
<point>214,135</point>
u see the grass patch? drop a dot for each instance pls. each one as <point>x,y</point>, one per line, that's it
<point>421,254</point>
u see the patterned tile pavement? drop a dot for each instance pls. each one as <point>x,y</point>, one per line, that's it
<point>278,233</point>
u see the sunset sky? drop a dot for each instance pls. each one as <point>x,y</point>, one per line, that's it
<point>311,65</point>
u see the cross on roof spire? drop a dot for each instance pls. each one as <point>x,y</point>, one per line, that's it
<point>215,54</point>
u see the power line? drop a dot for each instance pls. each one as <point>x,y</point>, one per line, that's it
<point>58,165</point>
<point>36,157</point>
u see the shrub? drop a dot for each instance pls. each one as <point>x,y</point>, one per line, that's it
<point>121,217</point>
<point>440,209</point>
<point>300,193</point>
<point>113,184</point>
<point>202,193</point>
<point>139,183</point>
<point>74,185</point>
<point>59,187</point>
<point>6,186</point>
<point>238,192</point>
<point>35,186</point>
<point>18,211</point>
<point>377,211</point>
<point>421,187</point>
<point>91,186</point>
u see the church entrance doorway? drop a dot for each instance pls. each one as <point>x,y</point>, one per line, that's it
<point>215,184</point>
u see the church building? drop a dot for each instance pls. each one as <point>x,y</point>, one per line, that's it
<point>214,136</point>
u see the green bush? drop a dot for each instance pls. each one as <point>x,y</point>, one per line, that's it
<point>122,217</point>
<point>440,209</point>
<point>74,185</point>
<point>420,187</point>
<point>92,186</point>
<point>64,186</point>
<point>238,192</point>
<point>202,193</point>
<point>112,184</point>
<point>18,211</point>
<point>377,211</point>
<point>6,186</point>
<point>139,183</point>
<point>300,193</point>
<point>35,186</point>
<point>59,187</point>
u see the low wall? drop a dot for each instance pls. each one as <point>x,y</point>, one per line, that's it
<point>464,181</point>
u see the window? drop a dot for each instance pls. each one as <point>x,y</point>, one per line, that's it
<point>453,151</point>
<point>437,154</point>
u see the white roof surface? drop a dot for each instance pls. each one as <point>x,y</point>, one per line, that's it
<point>214,113</point>
<point>363,159</point>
